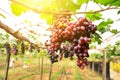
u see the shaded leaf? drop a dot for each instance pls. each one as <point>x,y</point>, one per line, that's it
<point>96,38</point>
<point>93,17</point>
<point>104,25</point>
<point>108,2</point>
<point>118,12</point>
<point>116,3</point>
<point>7,36</point>
<point>115,31</point>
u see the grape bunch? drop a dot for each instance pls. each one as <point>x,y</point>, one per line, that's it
<point>22,48</point>
<point>31,47</point>
<point>7,46</point>
<point>77,33</point>
<point>54,58</point>
<point>14,50</point>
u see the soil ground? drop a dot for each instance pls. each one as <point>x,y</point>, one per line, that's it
<point>63,70</point>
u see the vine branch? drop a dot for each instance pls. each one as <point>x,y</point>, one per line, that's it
<point>17,35</point>
<point>12,32</point>
<point>54,12</point>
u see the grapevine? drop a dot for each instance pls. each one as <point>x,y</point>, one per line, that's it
<point>77,34</point>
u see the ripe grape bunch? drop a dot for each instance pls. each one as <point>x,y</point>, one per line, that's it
<point>77,33</point>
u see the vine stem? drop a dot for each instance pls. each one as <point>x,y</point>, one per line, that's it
<point>41,78</point>
<point>7,46</point>
<point>7,66</point>
<point>53,12</point>
<point>51,65</point>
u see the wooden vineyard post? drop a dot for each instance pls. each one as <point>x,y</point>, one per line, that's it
<point>93,66</point>
<point>38,49</point>
<point>104,65</point>
<point>7,46</point>
<point>39,63</point>
<point>98,68</point>
<point>42,68</point>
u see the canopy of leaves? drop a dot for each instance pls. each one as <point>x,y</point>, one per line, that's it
<point>96,56</point>
<point>93,17</point>
<point>113,50</point>
<point>47,5</point>
<point>58,5</point>
<point>71,5</point>
<point>104,26</point>
<point>108,2</point>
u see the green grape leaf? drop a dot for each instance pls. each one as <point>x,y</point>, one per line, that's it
<point>44,5</point>
<point>18,9</point>
<point>58,5</point>
<point>108,2</point>
<point>49,18</point>
<point>104,26</point>
<point>113,50</point>
<point>116,3</point>
<point>93,17</point>
<point>7,36</point>
<point>114,31</point>
<point>118,12</point>
<point>22,6</point>
<point>96,38</point>
<point>82,1</point>
<point>103,2</point>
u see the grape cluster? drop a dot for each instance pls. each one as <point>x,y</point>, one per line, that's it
<point>54,58</point>
<point>77,34</point>
<point>66,51</point>
<point>7,46</point>
<point>14,50</point>
<point>31,47</point>
<point>22,48</point>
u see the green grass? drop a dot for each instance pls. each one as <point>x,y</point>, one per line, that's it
<point>56,74</point>
<point>46,70</point>
<point>1,76</point>
<point>32,72</point>
<point>2,68</point>
<point>77,74</point>
<point>78,77</point>
<point>28,76</point>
